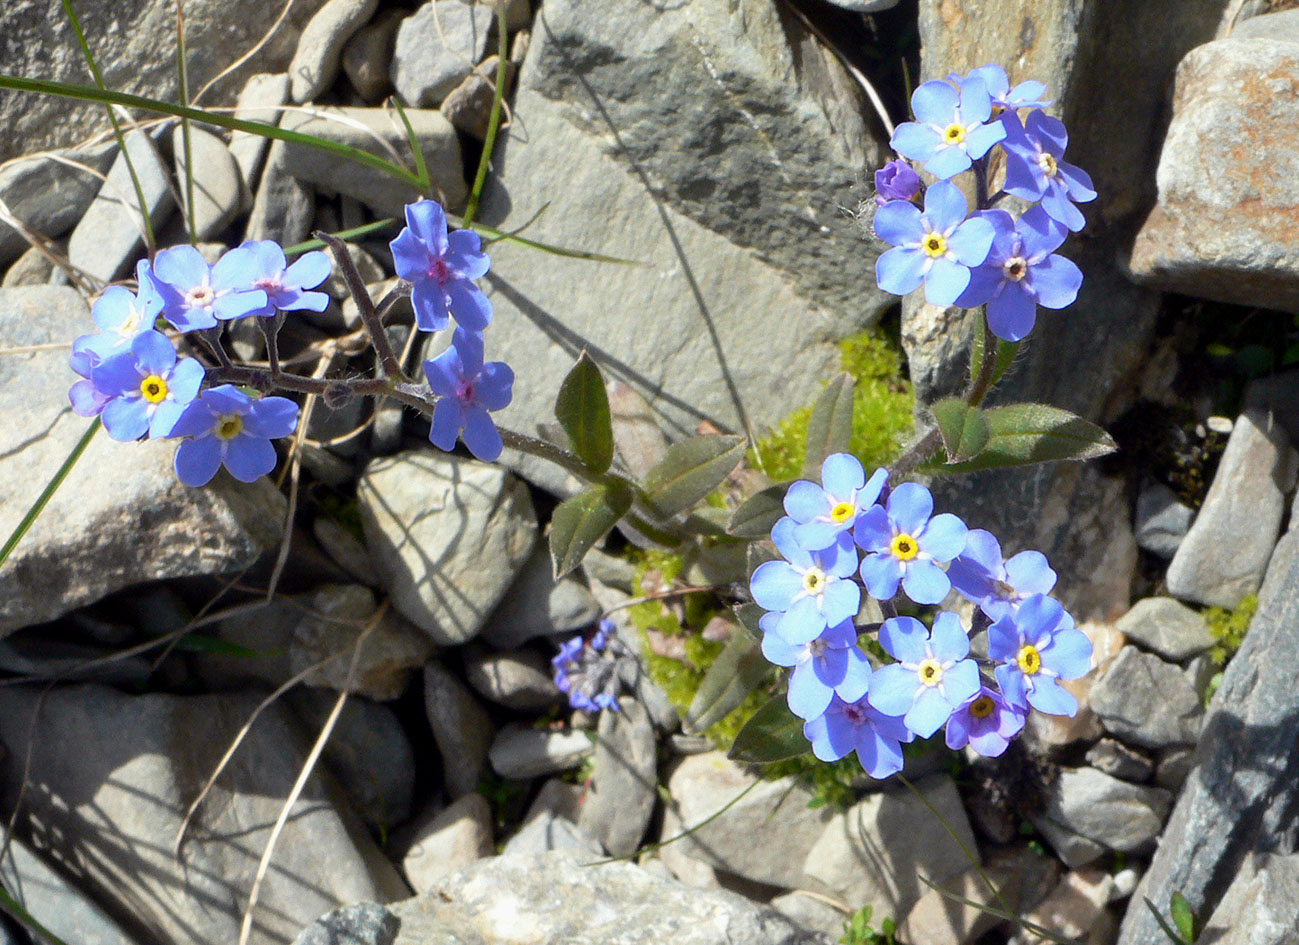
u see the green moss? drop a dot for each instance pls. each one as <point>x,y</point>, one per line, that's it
<point>1228,628</point>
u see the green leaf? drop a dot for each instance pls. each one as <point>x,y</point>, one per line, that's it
<point>773,733</point>
<point>1023,434</point>
<point>759,553</point>
<point>964,428</point>
<point>758,513</point>
<point>199,643</point>
<point>1006,351</point>
<point>1183,918</point>
<point>14,908</point>
<point>748,615</point>
<point>829,429</point>
<point>690,470</point>
<point>738,670</point>
<point>1173,935</point>
<point>579,522</point>
<point>582,409</point>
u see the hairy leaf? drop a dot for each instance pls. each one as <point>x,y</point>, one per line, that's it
<point>829,429</point>
<point>1023,434</point>
<point>758,513</point>
<point>965,430</point>
<point>690,470</point>
<point>582,409</point>
<point>738,670</point>
<point>773,733</point>
<point>579,522</point>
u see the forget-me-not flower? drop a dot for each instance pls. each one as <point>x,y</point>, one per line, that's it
<point>828,665</point>
<point>441,267</point>
<point>288,288</point>
<point>998,586</point>
<point>811,590</point>
<point>1026,94</point>
<point>467,389</point>
<point>933,676</point>
<point>936,247</point>
<point>896,180</point>
<point>226,426</point>
<point>986,723</point>
<point>1035,169</point>
<point>951,129</point>
<point>196,295</point>
<point>826,511</point>
<point>905,544</point>
<point>859,726</point>
<point>1037,646</point>
<point>147,387</point>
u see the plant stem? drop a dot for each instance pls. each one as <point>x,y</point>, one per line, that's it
<point>987,368</point>
<point>369,315</point>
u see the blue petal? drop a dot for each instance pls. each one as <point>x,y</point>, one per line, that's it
<point>774,585</point>
<point>948,639</point>
<point>856,676</point>
<point>480,435</point>
<point>113,308</point>
<point>465,255</point>
<point>1037,618</point>
<point>1069,654</point>
<point>976,103</point>
<point>1024,179</point>
<point>947,162</point>
<point>1077,182</point>
<point>957,735</point>
<point>118,375</point>
<point>786,541</point>
<point>802,623</point>
<point>409,256</point>
<point>943,537</point>
<point>236,271</point>
<point>972,241</point>
<point>271,418</point>
<point>841,601</point>
<point>903,638</point>
<point>830,665</point>
<point>873,531</point>
<point>239,304</point>
<point>984,282</point>
<point>1050,697</point>
<point>925,582</point>
<point>981,139</point>
<point>842,475</point>
<point>430,305</point>
<point>893,689</point>
<point>181,267</point>
<point>126,419</point>
<point>309,271</point>
<point>881,574</point>
<point>1011,682</point>
<point>470,345</point>
<point>1041,234</point>
<point>945,281</point>
<point>469,306</point>
<point>1012,314</point>
<point>915,141</point>
<point>805,501</point>
<point>444,373</point>
<point>945,207</point>
<point>1003,639</point>
<point>935,102</point>
<point>448,419</point>
<point>186,379</point>
<point>840,559</point>
<point>1056,202</point>
<point>164,418</point>
<point>1028,572</point>
<point>830,737</point>
<point>900,271</point>
<point>898,223</point>
<point>808,697</point>
<point>928,713</point>
<point>495,385</point>
<point>1057,281</point>
<point>817,536</point>
<point>780,651</point>
<point>880,757</point>
<point>249,457</point>
<point>910,505</point>
<point>197,461</point>
<point>961,682</point>
<point>428,221</point>
<point>983,549</point>
<point>1049,131</point>
<point>155,352</point>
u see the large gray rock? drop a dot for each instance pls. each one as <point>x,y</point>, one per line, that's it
<point>538,605</point>
<point>1241,796</point>
<point>284,207</point>
<point>366,923</point>
<point>116,775</point>
<point>49,194</point>
<point>121,517</point>
<point>624,782</point>
<point>1258,908</point>
<point>521,753</point>
<point>1020,880</point>
<point>461,727</point>
<point>449,841</point>
<point>218,185</point>
<point>1145,701</point>
<point>437,48</point>
<point>447,536</point>
<point>550,897</point>
<point>135,48</point>
<point>315,64</point>
<point>259,100</point>
<point>1220,561</point>
<point>1089,812</point>
<point>1162,520</point>
<point>1166,626</point>
<point>54,901</point>
<point>522,680</point>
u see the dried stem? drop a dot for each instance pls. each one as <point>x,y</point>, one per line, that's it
<point>369,315</point>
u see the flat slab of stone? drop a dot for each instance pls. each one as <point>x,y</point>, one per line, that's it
<point>1167,627</point>
<point>1147,702</point>
<point>1089,812</point>
<point>48,194</point>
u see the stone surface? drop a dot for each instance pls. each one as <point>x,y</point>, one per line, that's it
<point>283,207</point>
<point>1118,760</point>
<point>110,237</point>
<point>121,517</point>
<point>33,267</point>
<point>462,728</point>
<point>54,901</point>
<point>34,653</point>
<point>1220,562</point>
<point>469,105</point>
<point>1145,701</point>
<point>345,548</point>
<point>218,186</point>
<point>368,56</point>
<point>437,48</point>
<point>810,912</point>
<point>1162,520</point>
<point>49,194</point>
<point>558,797</point>
<point>1239,797</point>
<point>447,536</point>
<point>315,64</point>
<point>259,100</point>
<point>1056,731</point>
<point>537,605</point>
<point>117,778</point>
<point>547,832</point>
<point>1223,226</point>
<point>1258,906</point>
<point>521,753</point>
<point>551,897</point>
<point>1167,627</point>
<point>453,839</point>
<point>624,782</point>
<point>1088,812</point>
<point>521,680</point>
<point>366,923</point>
<point>1020,879</point>
<point>1075,909</point>
<point>376,188</point>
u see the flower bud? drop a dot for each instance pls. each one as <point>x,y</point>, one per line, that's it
<point>337,396</point>
<point>896,180</point>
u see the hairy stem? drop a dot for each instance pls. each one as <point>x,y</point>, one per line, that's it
<point>369,315</point>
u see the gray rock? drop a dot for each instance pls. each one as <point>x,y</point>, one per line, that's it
<point>1167,627</point>
<point>368,753</point>
<point>33,267</point>
<point>366,923</point>
<point>283,207</point>
<point>537,605</point>
<point>1021,879</point>
<point>347,551</point>
<point>1175,766</point>
<point>552,897</point>
<point>54,901</point>
<point>49,194</point>
<point>812,913</point>
<point>521,680</point>
<point>121,517</point>
<point>1145,701</point>
<point>547,832</point>
<point>117,779</point>
<point>1162,520</point>
<point>561,798</point>
<point>1278,396</point>
<point>437,48</point>
<point>1088,812</point>
<point>1118,760</point>
<point>218,187</point>
<point>469,105</point>
<point>447,535</point>
<point>260,99</point>
<point>1257,907</point>
<point>624,782</point>
<point>110,237</point>
<point>449,841</point>
<point>521,753</point>
<point>1220,562</point>
<point>1075,909</point>
<point>461,727</point>
<point>315,64</point>
<point>35,655</point>
<point>385,194</point>
<point>367,56</point>
<point>1220,228</point>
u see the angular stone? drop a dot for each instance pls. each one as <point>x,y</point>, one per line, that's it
<point>522,680</point>
<point>283,207</point>
<point>121,517</point>
<point>810,912</point>
<point>447,535</point>
<point>1220,561</point>
<point>1056,731</point>
<point>469,105</point>
<point>379,190</point>
<point>346,550</point>
<point>368,56</point>
<point>55,902</point>
<point>437,48</point>
<point>1162,520</point>
<point>1166,626</point>
<point>218,187</point>
<point>115,785</point>
<point>547,832</point>
<point>453,839</point>
<point>461,727</point>
<point>366,923</point>
<point>33,267</point>
<point>49,195</point>
<point>521,753</point>
<point>1088,812</point>
<point>1075,909</point>
<point>538,605</point>
<point>1256,909</point>
<point>561,798</point>
<point>259,100</point>
<point>315,64</point>
<point>624,781</point>
<point>1145,701</point>
<point>1118,760</point>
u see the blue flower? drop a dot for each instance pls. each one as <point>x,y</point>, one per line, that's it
<point>467,389</point>
<point>1025,95</point>
<point>1035,169</point>
<point>896,180</point>
<point>825,512</point>
<point>828,665</point>
<point>986,723</point>
<point>286,287</point>
<point>1037,646</point>
<point>441,268</point>
<point>903,543</point>
<point>936,247</point>
<point>810,589</point>
<point>147,387</point>
<point>859,726</point>
<point>995,585</point>
<point>196,295</point>
<point>1021,273</point>
<point>950,131</point>
<point>932,677</point>
<point>120,315</point>
<point>588,670</point>
<point>227,426</point>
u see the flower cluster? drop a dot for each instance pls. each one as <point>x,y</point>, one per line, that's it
<point>134,379</point>
<point>988,256</point>
<point>588,670</point>
<point>849,534</point>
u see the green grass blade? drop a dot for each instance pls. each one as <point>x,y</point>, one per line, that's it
<point>182,81</point>
<point>494,122</point>
<point>12,906</point>
<point>48,493</point>
<point>421,166</point>
<point>502,236</point>
<point>364,229</point>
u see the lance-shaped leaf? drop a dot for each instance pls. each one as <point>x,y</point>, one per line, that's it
<point>579,522</point>
<point>738,670</point>
<point>829,429</point>
<point>759,512</point>
<point>773,733</point>
<point>964,429</point>
<point>749,616</point>
<point>690,470</point>
<point>1023,434</point>
<point>582,409</point>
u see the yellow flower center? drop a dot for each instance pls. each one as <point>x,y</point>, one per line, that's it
<point>904,547</point>
<point>1029,660</point>
<point>842,512</point>
<point>935,245</point>
<point>814,581</point>
<point>982,707</point>
<point>930,672</point>
<point>229,426</point>
<point>954,134</point>
<point>1048,165</point>
<point>154,389</point>
<point>1015,268</point>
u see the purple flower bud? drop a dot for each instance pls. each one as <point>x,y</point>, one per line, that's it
<point>896,180</point>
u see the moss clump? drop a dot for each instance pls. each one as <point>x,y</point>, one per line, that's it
<point>1228,628</point>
